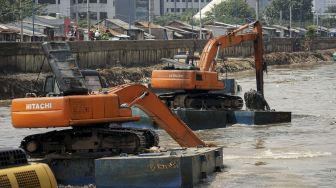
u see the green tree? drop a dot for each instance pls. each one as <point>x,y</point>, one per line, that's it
<point>165,19</point>
<point>187,16</point>
<point>311,32</point>
<point>230,11</point>
<point>82,23</point>
<point>301,10</point>
<point>10,9</point>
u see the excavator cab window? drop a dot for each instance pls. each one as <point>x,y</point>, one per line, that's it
<point>49,85</point>
<point>93,80</point>
<point>93,83</point>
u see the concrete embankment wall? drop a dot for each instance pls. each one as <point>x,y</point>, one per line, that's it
<point>28,57</point>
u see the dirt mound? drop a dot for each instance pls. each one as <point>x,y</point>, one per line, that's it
<point>122,75</point>
<point>13,86</point>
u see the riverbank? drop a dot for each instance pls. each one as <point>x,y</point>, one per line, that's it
<point>16,85</point>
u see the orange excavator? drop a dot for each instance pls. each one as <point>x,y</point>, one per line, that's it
<point>198,86</point>
<point>92,117</point>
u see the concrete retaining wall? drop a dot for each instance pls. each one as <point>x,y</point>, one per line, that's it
<point>28,57</point>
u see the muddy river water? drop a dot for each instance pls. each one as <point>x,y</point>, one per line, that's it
<point>297,154</point>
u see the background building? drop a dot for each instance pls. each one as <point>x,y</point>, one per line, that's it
<point>77,9</point>
<point>320,6</point>
<point>55,7</point>
<point>136,10</point>
<point>179,6</point>
<point>126,10</point>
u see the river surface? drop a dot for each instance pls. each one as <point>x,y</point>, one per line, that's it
<point>297,154</point>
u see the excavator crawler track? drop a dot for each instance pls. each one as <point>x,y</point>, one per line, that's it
<point>90,141</point>
<point>214,101</point>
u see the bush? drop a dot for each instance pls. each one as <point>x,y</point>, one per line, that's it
<point>311,32</point>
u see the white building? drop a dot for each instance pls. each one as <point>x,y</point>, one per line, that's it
<point>137,10</point>
<point>77,9</point>
<point>179,6</point>
<point>208,7</point>
<point>320,6</point>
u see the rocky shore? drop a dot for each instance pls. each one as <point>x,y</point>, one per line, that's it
<point>13,85</point>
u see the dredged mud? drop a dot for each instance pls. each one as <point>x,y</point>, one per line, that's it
<point>14,85</point>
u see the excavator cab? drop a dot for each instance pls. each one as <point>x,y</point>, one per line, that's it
<point>65,69</point>
<point>67,78</point>
<point>92,80</point>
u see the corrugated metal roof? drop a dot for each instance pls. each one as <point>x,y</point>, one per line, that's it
<point>117,34</point>
<point>47,20</point>
<point>177,29</point>
<point>28,32</point>
<point>39,24</point>
<point>6,29</point>
<point>285,28</point>
<point>226,24</point>
<point>122,24</point>
<point>146,24</point>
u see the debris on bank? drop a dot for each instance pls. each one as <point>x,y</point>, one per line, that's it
<point>16,85</point>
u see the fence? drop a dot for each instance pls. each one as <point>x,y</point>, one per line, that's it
<point>28,57</point>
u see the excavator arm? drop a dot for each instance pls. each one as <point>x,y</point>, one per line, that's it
<point>152,106</point>
<point>212,47</point>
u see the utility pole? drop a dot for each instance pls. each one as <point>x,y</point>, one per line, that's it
<point>149,16</point>
<point>192,20</point>
<point>214,15</point>
<point>200,13</point>
<point>317,22</point>
<point>290,20</point>
<point>301,9</point>
<point>129,15</point>
<point>257,9</point>
<point>280,21</point>
<point>21,23</point>
<point>88,16</point>
<point>33,12</point>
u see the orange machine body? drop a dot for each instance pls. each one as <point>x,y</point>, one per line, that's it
<point>92,110</point>
<point>187,79</point>
<point>68,111</point>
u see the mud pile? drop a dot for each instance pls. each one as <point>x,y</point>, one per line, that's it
<point>16,85</point>
<point>278,58</point>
